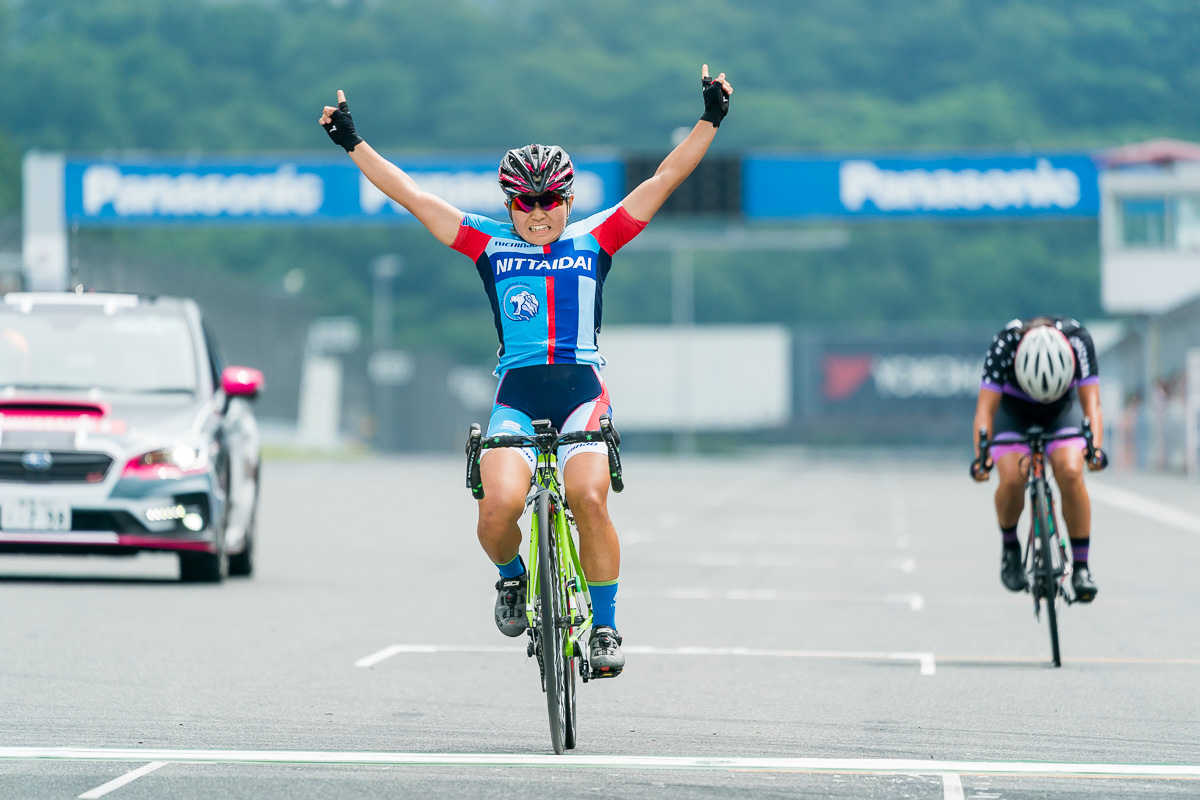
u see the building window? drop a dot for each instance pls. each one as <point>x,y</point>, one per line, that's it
<point>1187,222</point>
<point>1145,221</point>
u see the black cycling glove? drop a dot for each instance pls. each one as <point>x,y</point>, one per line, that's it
<point>716,102</point>
<point>1100,459</point>
<point>341,128</point>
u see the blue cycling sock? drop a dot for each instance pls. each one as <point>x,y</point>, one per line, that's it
<point>513,569</point>
<point>604,603</point>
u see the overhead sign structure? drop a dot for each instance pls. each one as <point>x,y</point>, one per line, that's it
<point>789,187</point>
<point>97,192</point>
<point>290,191</point>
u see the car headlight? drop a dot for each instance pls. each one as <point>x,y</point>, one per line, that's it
<point>169,462</point>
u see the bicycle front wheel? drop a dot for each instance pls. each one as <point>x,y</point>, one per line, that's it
<point>553,659</point>
<point>1047,581</point>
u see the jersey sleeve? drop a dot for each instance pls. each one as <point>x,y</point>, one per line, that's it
<point>1086,365</point>
<point>998,361</point>
<point>617,230</point>
<point>474,233</point>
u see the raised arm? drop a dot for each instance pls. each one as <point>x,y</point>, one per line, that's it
<point>441,218</point>
<point>647,198</point>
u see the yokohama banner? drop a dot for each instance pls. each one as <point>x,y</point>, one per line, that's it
<point>911,385</point>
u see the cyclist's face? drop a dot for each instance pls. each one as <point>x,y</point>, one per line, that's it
<point>540,226</point>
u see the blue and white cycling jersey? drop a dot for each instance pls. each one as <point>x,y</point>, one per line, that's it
<point>546,299</point>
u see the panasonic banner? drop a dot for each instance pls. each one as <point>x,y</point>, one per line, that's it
<point>106,193</point>
<point>61,191</point>
<point>788,187</point>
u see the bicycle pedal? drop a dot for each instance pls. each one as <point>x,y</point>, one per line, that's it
<point>605,672</point>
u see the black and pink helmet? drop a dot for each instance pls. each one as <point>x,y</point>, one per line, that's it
<point>537,168</point>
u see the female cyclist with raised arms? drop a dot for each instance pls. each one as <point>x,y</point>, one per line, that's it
<point>544,279</point>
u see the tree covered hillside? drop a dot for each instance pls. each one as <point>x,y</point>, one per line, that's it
<point>181,76</point>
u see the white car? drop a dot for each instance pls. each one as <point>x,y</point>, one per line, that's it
<point>121,432</point>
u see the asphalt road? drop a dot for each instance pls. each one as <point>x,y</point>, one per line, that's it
<point>795,626</point>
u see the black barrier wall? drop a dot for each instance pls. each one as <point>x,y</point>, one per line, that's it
<point>902,385</point>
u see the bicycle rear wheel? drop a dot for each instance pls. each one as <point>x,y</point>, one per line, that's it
<point>1044,572</point>
<point>553,658</point>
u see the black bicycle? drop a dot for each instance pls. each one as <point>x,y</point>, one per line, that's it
<point>560,606</point>
<point>1047,567</point>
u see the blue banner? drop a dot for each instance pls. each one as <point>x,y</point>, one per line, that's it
<point>789,187</point>
<point>295,191</point>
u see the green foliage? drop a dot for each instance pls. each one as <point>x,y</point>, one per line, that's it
<point>183,76</point>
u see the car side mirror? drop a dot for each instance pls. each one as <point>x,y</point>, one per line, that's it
<point>242,382</point>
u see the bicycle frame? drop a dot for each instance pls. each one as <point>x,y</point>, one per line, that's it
<point>1038,486</point>
<point>559,610</point>
<point>577,598</point>
<point>1047,566</point>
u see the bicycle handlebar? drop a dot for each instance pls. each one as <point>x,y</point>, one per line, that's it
<point>547,440</point>
<point>1034,434</point>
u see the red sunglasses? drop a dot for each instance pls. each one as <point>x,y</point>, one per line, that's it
<point>547,200</point>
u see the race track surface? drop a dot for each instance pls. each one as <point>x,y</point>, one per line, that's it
<point>795,625</point>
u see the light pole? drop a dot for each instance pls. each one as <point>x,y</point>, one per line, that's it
<point>384,269</point>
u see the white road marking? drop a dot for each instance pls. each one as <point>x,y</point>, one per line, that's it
<point>1145,506</point>
<point>952,788</point>
<point>117,783</point>
<point>384,654</point>
<point>733,559</point>
<point>926,661</point>
<point>892,766</point>
<point>914,601</point>
<point>397,649</point>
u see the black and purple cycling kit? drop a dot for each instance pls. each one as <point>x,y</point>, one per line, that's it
<point>1018,411</point>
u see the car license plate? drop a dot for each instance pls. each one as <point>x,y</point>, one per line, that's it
<point>34,514</point>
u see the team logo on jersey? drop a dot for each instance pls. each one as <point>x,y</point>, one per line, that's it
<point>520,304</point>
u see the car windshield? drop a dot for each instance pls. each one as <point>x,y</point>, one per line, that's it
<point>83,349</point>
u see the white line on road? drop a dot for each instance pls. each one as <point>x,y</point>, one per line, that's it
<point>1145,506</point>
<point>117,783</point>
<point>952,788</point>
<point>892,766</point>
<point>731,559</point>
<point>914,601</point>
<point>926,661</point>
<point>383,655</point>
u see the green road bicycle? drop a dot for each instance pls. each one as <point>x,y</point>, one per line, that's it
<point>1047,567</point>
<point>559,605</point>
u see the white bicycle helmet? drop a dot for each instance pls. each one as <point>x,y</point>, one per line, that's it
<point>1045,363</point>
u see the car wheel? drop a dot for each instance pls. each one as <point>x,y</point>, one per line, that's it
<point>242,563</point>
